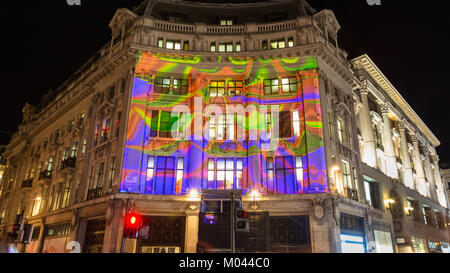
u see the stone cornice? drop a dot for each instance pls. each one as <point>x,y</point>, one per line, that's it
<point>366,63</point>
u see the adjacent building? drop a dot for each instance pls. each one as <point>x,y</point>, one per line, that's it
<point>258,97</point>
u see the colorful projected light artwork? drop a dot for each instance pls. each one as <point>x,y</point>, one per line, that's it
<point>236,123</point>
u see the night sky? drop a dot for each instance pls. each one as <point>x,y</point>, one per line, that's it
<point>47,41</point>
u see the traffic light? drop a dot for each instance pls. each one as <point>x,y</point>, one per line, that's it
<point>133,223</point>
<point>242,222</point>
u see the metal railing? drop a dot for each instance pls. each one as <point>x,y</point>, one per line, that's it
<point>94,194</point>
<point>352,194</point>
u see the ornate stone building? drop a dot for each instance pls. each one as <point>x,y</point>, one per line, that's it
<point>191,96</point>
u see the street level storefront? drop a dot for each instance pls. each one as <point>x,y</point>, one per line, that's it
<point>95,233</point>
<point>33,246</point>
<point>166,235</point>
<point>383,238</point>
<point>352,234</point>
<point>56,238</point>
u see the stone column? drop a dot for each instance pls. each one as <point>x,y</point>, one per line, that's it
<point>369,156</point>
<point>420,180</point>
<point>192,221</point>
<point>430,176</point>
<point>406,160</point>
<point>438,181</point>
<point>391,165</point>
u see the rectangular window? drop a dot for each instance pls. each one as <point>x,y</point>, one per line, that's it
<point>238,47</point>
<point>225,47</point>
<point>186,46</point>
<point>217,89</point>
<point>176,45</point>
<point>271,86</point>
<point>119,117</point>
<point>221,127</point>
<point>285,125</point>
<point>270,175</point>
<point>340,127</point>
<point>427,219</point>
<point>84,146</point>
<point>212,126</point>
<point>112,93</point>
<point>299,170</point>
<point>289,85</point>
<point>268,126</point>
<point>180,86</point>
<point>180,171</point>
<point>165,175</point>
<point>165,125</point>
<point>346,177</point>
<point>222,47</point>
<point>150,174</point>
<point>106,130</point>
<point>284,175</point>
<point>277,44</point>
<point>239,170</point>
<point>291,42</point>
<point>112,171</point>
<point>162,85</point>
<point>230,127</point>
<point>296,123</point>
<point>66,198</point>
<point>123,83</point>
<point>373,194</point>
<point>213,47</point>
<point>74,150</point>
<point>99,176</point>
<point>265,45</point>
<point>330,125</point>
<point>235,88</point>
<point>226,22</point>
<point>211,174</point>
<point>160,42</point>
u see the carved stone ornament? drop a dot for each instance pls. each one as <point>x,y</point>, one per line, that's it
<point>110,212</point>
<point>318,211</point>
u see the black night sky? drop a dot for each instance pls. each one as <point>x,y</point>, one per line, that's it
<point>47,41</point>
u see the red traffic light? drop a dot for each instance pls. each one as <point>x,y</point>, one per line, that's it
<point>133,222</point>
<point>242,214</point>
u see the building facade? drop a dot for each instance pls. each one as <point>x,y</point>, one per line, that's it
<point>189,97</point>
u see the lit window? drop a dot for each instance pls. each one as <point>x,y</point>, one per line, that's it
<point>222,47</point>
<point>162,85</point>
<point>238,47</point>
<point>296,123</point>
<point>235,88</point>
<point>346,177</point>
<point>180,170</point>
<point>176,45</point>
<point>226,22</point>
<point>217,89</point>
<point>277,44</point>
<point>186,46</point>
<point>271,86</point>
<point>212,126</point>
<point>291,42</point>
<point>213,47</point>
<point>269,169</point>
<point>160,42</point>
<point>265,45</point>
<point>299,170</point>
<point>149,174</point>
<point>180,86</point>
<point>289,85</point>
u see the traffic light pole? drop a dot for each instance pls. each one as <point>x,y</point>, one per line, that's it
<point>233,230</point>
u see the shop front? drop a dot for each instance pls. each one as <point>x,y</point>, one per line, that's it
<point>95,233</point>
<point>352,234</point>
<point>383,238</point>
<point>165,235</point>
<point>419,245</point>
<point>32,247</point>
<point>56,238</point>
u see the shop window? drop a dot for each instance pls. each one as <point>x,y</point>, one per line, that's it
<point>383,242</point>
<point>290,234</point>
